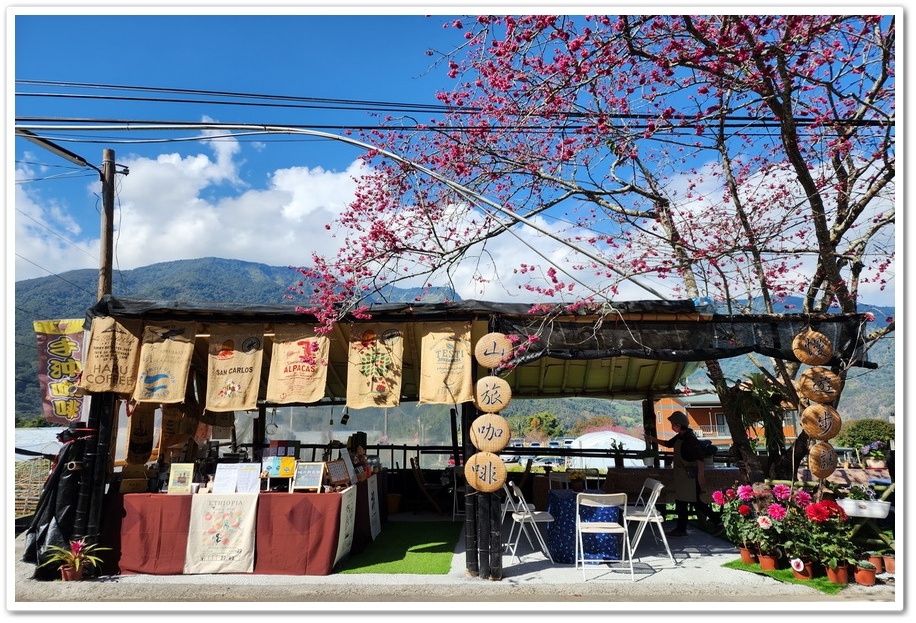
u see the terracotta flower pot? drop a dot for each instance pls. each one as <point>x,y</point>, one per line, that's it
<point>888,563</point>
<point>878,561</point>
<point>838,575</point>
<point>748,556</point>
<point>69,574</point>
<point>768,562</point>
<point>865,577</point>
<point>806,573</point>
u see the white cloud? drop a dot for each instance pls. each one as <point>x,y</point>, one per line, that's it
<point>178,206</point>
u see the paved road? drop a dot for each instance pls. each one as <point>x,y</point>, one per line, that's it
<point>697,582</point>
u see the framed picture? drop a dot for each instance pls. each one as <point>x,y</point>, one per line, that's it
<point>345,456</point>
<point>181,476</point>
<point>308,477</point>
<point>337,472</point>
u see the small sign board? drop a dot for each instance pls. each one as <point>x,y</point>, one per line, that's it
<point>485,472</point>
<point>337,472</point>
<point>308,477</point>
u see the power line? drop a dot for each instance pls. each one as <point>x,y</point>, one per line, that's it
<point>52,273</point>
<point>42,225</point>
<point>318,103</point>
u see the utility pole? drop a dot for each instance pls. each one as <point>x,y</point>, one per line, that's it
<point>106,240</point>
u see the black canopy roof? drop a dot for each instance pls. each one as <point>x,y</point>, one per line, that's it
<point>625,350</point>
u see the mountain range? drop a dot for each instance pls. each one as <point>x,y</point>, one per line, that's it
<point>868,393</point>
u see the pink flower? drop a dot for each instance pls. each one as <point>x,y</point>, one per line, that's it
<point>746,492</point>
<point>803,498</point>
<point>798,564</point>
<point>718,498</point>
<point>764,522</point>
<point>782,492</point>
<point>776,511</point>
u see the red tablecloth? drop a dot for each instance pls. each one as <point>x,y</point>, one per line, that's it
<point>296,533</point>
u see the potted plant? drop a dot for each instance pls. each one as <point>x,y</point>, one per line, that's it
<point>888,559</point>
<point>865,573</point>
<point>831,539</point>
<point>576,480</point>
<point>649,457</point>
<point>802,569</point>
<point>859,501</point>
<point>617,448</point>
<point>738,518</point>
<point>73,560</point>
<point>709,452</point>
<point>874,454</point>
<point>876,558</point>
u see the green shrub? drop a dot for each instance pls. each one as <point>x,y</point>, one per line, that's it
<point>858,433</point>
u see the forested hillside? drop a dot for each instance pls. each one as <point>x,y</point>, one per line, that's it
<point>868,393</point>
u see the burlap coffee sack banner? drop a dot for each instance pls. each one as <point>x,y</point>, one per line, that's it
<point>141,429</point>
<point>298,365</point>
<point>445,363</point>
<point>112,356</point>
<point>165,357</point>
<point>235,355</point>
<point>178,429</point>
<point>374,365</point>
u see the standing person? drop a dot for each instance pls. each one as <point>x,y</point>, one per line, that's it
<point>689,475</point>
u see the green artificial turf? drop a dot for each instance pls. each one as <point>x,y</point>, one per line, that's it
<point>786,575</point>
<point>418,547</point>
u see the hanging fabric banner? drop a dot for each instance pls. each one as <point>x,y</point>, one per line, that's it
<point>112,356</point>
<point>221,533</point>
<point>165,358</point>
<point>60,350</point>
<point>141,430</point>
<point>178,429</point>
<point>298,365</point>
<point>375,362</point>
<point>445,363</point>
<point>234,367</point>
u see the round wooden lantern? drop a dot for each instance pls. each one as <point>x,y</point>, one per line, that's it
<point>821,421</point>
<point>819,384</point>
<point>490,433</point>
<point>822,459</point>
<point>492,349</point>
<point>492,394</point>
<point>812,347</point>
<point>485,472</point>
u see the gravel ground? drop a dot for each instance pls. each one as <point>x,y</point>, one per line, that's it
<point>698,582</point>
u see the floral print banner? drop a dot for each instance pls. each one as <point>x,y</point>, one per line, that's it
<point>298,365</point>
<point>375,363</point>
<point>221,534</point>
<point>234,362</point>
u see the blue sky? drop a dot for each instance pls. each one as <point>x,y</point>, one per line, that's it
<point>251,199</point>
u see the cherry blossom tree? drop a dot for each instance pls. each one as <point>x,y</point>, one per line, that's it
<point>736,158</point>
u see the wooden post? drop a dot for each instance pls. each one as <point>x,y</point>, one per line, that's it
<point>468,412</point>
<point>107,238</point>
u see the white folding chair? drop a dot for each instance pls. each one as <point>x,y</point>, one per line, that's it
<point>558,480</point>
<point>512,504</point>
<point>599,526</point>
<point>526,518</point>
<point>592,477</point>
<point>645,512</point>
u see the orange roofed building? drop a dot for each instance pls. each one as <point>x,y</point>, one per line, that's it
<point>707,419</point>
